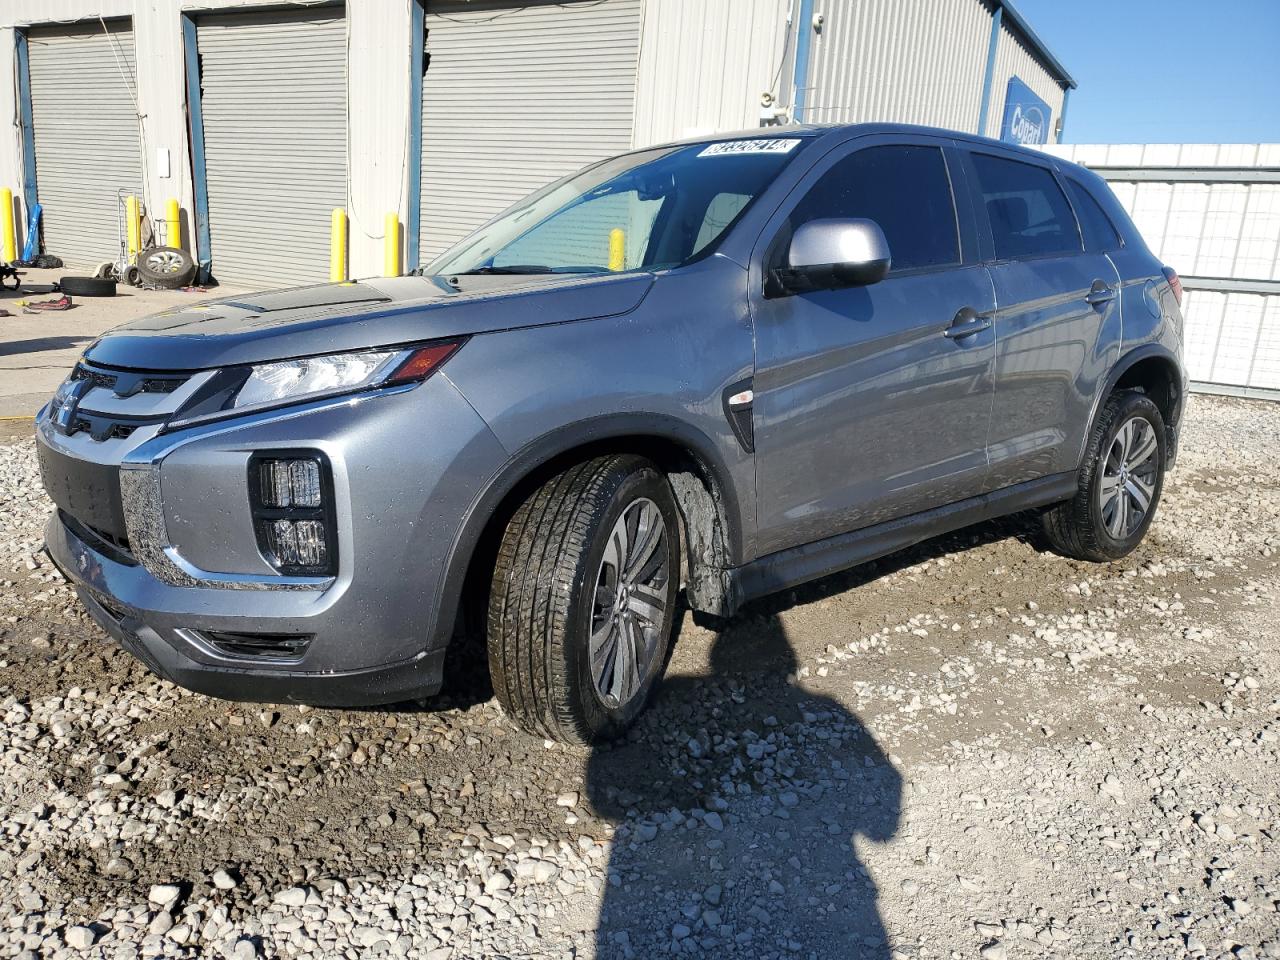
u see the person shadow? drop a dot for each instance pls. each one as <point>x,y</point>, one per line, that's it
<point>740,801</point>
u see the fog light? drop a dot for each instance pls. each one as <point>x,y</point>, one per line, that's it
<point>290,483</point>
<point>298,543</point>
<point>291,497</point>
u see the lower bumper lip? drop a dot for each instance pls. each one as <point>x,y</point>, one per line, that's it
<point>165,643</point>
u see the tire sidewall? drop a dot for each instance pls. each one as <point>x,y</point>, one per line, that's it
<point>1133,406</point>
<point>166,281</point>
<point>600,719</point>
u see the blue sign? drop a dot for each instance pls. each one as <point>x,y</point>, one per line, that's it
<point>1026,116</point>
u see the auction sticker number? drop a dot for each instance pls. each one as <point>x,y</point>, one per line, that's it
<point>735,147</point>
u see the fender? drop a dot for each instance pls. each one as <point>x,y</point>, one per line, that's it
<point>1118,370</point>
<point>543,450</point>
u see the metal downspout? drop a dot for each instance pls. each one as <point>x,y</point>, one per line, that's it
<point>800,75</point>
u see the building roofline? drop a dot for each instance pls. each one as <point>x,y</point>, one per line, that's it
<point>1032,39</point>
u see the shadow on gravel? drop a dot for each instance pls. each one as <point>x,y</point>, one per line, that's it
<point>740,802</point>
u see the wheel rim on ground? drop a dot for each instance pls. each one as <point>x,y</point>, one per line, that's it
<point>1129,476</point>
<point>165,261</point>
<point>629,612</point>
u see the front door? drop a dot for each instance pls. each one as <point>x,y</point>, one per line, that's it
<point>873,402</point>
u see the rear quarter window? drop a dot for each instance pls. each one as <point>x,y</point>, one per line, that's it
<point>1100,234</point>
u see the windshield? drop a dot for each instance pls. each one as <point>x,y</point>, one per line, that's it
<point>641,211</point>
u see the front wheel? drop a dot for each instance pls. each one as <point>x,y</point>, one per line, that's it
<point>583,601</point>
<point>1120,483</point>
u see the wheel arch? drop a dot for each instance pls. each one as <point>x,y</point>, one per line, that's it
<point>1156,371</point>
<point>711,530</point>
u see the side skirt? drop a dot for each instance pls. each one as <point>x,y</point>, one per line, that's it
<point>811,561</point>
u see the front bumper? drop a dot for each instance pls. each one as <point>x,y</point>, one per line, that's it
<point>189,572</point>
<point>173,647</point>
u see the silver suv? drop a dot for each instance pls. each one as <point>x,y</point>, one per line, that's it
<point>725,366</point>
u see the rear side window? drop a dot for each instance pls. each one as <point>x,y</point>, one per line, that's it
<point>1029,213</point>
<point>1099,232</point>
<point>905,189</point>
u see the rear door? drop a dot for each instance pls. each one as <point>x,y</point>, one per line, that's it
<point>873,402</point>
<point>1056,319</point>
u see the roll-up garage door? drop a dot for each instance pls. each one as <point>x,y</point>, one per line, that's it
<point>274,104</point>
<point>85,126</point>
<point>517,94</point>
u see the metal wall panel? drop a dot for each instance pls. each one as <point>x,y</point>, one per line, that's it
<point>1015,60</point>
<point>704,65</point>
<point>1209,231</point>
<point>518,94</point>
<point>919,62</point>
<point>274,98</point>
<point>84,119</point>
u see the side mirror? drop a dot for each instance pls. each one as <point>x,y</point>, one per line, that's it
<point>832,255</point>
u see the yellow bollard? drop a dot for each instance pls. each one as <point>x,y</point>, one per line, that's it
<point>10,238</point>
<point>617,249</point>
<point>391,246</point>
<point>338,246</point>
<point>133,226</point>
<point>173,224</point>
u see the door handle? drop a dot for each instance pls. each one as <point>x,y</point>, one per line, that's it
<point>1099,293</point>
<point>967,322</point>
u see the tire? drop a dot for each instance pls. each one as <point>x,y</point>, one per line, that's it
<point>1095,527</point>
<point>552,584</point>
<point>87,287</point>
<point>166,268</point>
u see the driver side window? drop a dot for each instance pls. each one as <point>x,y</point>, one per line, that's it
<point>905,189</point>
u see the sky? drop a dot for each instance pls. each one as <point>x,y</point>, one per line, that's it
<point>1166,71</point>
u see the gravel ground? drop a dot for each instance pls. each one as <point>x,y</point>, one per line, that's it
<point>973,749</point>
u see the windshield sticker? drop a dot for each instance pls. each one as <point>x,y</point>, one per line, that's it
<point>735,147</point>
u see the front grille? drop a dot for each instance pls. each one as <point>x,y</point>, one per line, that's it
<point>119,422</point>
<point>104,426</point>
<point>126,383</point>
<point>264,646</point>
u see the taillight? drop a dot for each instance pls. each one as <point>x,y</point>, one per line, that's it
<point>1175,284</point>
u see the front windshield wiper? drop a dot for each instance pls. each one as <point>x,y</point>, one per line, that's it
<point>513,268</point>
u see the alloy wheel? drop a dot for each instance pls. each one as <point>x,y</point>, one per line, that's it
<point>1129,477</point>
<point>165,261</point>
<point>629,612</point>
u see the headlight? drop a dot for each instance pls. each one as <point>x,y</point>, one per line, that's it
<point>264,386</point>
<point>293,379</point>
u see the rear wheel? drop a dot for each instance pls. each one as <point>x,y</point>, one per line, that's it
<point>582,606</point>
<point>1120,484</point>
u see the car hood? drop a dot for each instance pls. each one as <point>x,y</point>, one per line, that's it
<point>332,318</point>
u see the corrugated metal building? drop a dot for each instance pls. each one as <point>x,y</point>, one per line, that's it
<point>260,116</point>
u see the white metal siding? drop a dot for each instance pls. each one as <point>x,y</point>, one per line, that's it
<point>273,96</point>
<point>518,94</point>
<point>85,126</point>
<point>1210,230</point>
<point>919,62</point>
<point>704,65</point>
<point>1015,60</point>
